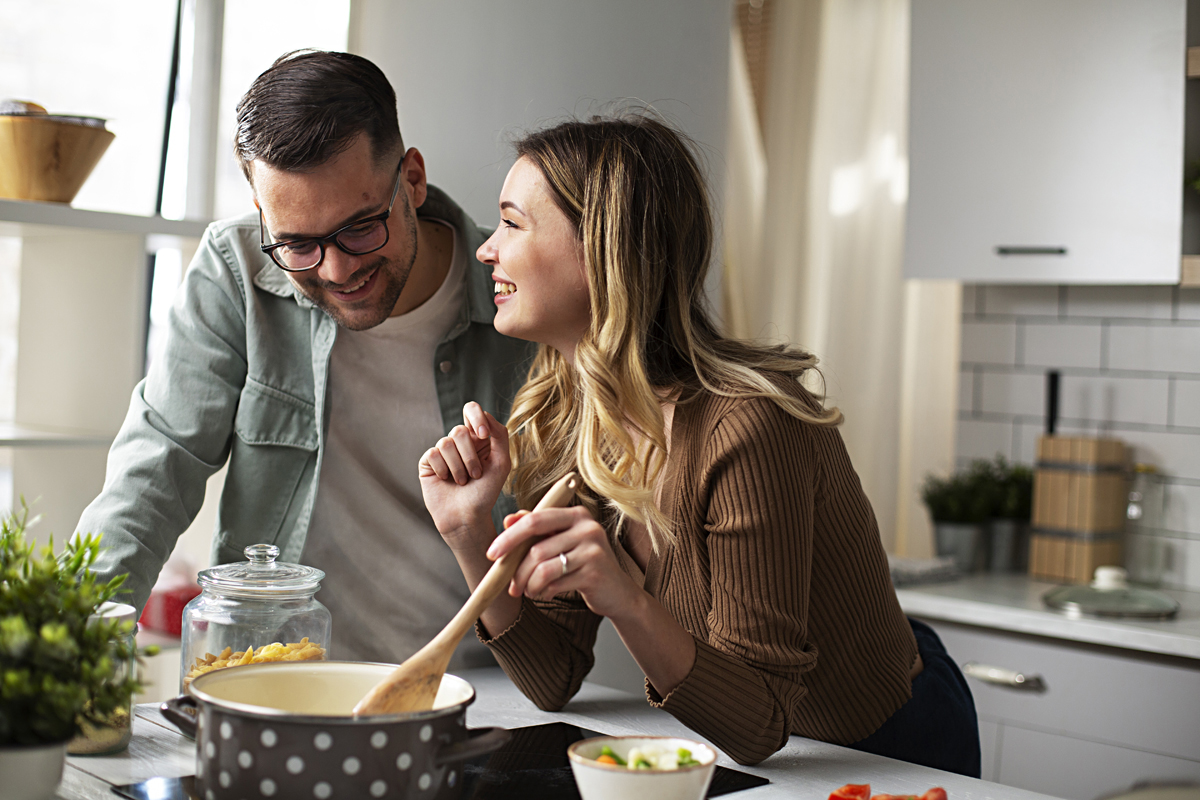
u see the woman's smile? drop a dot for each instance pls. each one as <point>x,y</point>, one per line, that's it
<point>503,290</point>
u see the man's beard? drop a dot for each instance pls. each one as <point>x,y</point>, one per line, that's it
<point>393,272</point>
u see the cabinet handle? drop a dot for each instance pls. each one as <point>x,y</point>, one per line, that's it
<point>1004,677</point>
<point>1012,250</point>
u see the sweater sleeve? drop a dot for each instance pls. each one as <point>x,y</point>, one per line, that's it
<point>547,651</point>
<point>756,495</point>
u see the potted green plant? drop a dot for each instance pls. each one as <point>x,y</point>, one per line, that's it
<point>958,505</point>
<point>60,666</point>
<point>1008,520</point>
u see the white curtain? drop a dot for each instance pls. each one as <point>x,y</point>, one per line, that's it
<point>814,231</point>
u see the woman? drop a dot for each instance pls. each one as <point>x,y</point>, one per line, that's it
<point>723,530</point>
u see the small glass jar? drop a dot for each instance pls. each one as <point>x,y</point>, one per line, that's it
<point>112,735</point>
<point>252,613</point>
<point>1145,551</point>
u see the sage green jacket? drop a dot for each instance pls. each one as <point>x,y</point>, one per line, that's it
<point>244,379</point>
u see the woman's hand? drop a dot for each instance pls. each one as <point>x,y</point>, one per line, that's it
<point>461,477</point>
<point>575,555</point>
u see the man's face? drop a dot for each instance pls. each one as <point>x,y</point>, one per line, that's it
<point>357,292</point>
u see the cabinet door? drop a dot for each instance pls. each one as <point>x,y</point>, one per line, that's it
<point>1078,769</point>
<point>1106,695</point>
<point>1046,140</point>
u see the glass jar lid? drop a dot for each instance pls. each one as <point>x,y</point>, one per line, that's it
<point>262,575</point>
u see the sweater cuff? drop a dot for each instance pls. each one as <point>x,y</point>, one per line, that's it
<point>719,701</point>
<point>529,632</point>
<point>696,691</point>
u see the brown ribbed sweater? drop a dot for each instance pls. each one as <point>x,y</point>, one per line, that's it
<point>777,572</point>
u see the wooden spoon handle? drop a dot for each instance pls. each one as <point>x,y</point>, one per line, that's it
<point>502,571</point>
<point>413,685</point>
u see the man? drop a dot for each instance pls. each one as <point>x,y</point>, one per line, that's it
<point>321,345</point>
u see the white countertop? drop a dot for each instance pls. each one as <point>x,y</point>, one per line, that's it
<point>1013,602</point>
<point>804,768</point>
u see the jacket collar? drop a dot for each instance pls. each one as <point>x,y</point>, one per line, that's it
<point>437,205</point>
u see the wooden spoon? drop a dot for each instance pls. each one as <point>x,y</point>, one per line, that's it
<point>413,685</point>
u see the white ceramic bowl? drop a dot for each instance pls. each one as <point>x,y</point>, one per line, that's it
<point>598,781</point>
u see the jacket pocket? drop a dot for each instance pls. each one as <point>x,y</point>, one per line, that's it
<point>272,470</point>
<point>267,416</point>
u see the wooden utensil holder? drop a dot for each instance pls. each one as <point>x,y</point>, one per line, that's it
<point>1080,491</point>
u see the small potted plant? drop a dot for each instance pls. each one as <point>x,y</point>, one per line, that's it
<point>958,506</point>
<point>1008,523</point>
<point>60,666</point>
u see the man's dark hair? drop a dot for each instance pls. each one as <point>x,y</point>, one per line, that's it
<point>309,106</point>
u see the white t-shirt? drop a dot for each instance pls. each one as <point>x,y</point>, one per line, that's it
<point>390,583</point>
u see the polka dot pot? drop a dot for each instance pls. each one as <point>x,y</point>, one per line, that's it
<point>285,730</point>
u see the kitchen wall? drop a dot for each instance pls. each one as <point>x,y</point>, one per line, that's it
<point>472,75</point>
<point>1130,363</point>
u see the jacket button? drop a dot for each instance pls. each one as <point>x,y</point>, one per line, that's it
<point>445,366</point>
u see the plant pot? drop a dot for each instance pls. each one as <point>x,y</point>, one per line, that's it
<point>31,773</point>
<point>1008,545</point>
<point>964,542</point>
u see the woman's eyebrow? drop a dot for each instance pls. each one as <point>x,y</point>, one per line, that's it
<point>510,204</point>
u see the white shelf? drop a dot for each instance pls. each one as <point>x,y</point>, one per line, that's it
<point>21,217</point>
<point>14,435</point>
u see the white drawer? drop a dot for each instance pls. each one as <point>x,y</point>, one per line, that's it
<point>1099,694</point>
<point>1079,770</point>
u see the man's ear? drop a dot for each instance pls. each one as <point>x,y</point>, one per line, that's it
<point>414,177</point>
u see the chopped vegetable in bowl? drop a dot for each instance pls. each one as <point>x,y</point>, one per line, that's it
<point>649,758</point>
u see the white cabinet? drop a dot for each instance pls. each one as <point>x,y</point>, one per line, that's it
<point>1105,719</point>
<point>81,280</point>
<point>1046,140</point>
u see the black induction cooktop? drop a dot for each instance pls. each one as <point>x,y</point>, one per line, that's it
<point>533,765</point>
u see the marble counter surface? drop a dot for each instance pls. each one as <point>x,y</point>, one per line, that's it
<point>1012,602</point>
<point>804,768</point>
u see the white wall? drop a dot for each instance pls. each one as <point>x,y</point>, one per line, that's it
<point>471,75</point>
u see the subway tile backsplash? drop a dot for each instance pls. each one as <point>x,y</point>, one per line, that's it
<point>1130,363</point>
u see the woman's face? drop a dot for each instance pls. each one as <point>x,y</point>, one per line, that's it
<point>537,264</point>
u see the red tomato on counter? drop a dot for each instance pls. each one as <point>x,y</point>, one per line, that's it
<point>852,791</point>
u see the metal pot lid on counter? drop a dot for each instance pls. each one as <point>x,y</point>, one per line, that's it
<point>1110,595</point>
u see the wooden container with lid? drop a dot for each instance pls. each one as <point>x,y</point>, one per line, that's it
<point>1080,491</point>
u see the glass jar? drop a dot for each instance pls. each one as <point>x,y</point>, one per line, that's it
<point>251,613</point>
<point>112,735</point>
<point>1145,552</point>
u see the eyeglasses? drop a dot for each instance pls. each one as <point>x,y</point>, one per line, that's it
<point>358,238</point>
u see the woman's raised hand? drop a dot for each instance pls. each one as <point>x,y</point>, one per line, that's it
<point>574,556</point>
<point>461,477</point>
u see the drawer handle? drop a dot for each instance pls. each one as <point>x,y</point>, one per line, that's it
<point>999,676</point>
<point>1016,250</point>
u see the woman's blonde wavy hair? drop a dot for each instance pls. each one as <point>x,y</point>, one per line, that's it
<point>637,200</point>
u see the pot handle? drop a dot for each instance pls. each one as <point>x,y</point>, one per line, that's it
<point>482,740</point>
<point>184,712</point>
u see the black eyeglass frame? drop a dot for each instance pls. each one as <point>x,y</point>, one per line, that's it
<point>321,241</point>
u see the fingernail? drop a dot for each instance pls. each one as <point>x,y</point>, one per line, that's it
<point>483,432</point>
<point>491,552</point>
<point>475,473</point>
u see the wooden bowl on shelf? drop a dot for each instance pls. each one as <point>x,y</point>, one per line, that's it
<point>48,158</point>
